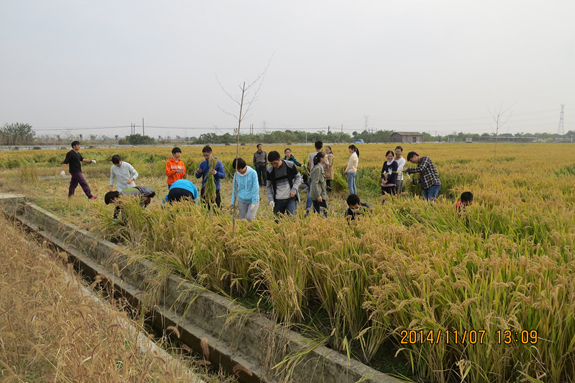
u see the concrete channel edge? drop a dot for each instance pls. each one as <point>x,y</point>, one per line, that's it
<point>235,335</point>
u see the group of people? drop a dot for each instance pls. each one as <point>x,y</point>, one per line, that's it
<point>281,177</point>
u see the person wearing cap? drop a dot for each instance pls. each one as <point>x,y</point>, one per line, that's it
<point>75,159</point>
<point>123,173</point>
<point>175,168</point>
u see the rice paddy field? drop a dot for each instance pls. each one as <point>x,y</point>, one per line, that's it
<point>487,297</point>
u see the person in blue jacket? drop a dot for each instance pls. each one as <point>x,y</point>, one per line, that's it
<point>204,170</point>
<point>246,190</point>
<point>181,189</point>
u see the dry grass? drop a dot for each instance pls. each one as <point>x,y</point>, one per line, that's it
<point>52,332</point>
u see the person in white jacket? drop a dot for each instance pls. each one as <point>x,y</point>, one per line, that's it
<point>351,170</point>
<point>123,173</point>
<point>246,190</point>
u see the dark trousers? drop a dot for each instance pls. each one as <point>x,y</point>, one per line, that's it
<point>78,178</point>
<point>320,207</point>
<point>328,185</point>
<point>391,190</point>
<point>262,174</point>
<point>285,206</point>
<point>176,195</point>
<point>218,197</point>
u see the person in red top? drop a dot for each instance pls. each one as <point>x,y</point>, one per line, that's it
<point>175,168</point>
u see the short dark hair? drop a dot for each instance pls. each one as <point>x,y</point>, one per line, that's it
<point>74,143</point>
<point>109,197</point>
<point>207,149</point>
<point>318,157</point>
<point>286,149</point>
<point>176,150</point>
<point>273,156</point>
<point>399,147</point>
<point>389,152</point>
<point>352,199</point>
<point>239,162</point>
<point>410,155</point>
<point>258,145</point>
<point>318,144</point>
<point>466,197</point>
<point>116,159</point>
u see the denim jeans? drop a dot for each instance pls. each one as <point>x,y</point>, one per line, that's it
<point>285,206</point>
<point>351,183</point>
<point>320,207</point>
<point>308,202</point>
<point>431,193</point>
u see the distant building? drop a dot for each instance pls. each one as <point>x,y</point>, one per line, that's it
<point>407,137</point>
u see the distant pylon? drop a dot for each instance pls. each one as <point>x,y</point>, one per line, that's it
<point>561,128</point>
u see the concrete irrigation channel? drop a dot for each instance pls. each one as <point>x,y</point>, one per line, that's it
<point>239,340</point>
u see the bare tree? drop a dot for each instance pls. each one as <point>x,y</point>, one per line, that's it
<point>498,116</point>
<point>244,101</point>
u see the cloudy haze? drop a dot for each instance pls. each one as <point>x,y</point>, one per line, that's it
<point>434,66</point>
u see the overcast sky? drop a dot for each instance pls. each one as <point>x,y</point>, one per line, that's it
<point>435,66</point>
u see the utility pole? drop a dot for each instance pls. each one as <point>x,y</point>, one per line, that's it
<point>342,128</point>
<point>264,128</point>
<point>143,130</point>
<point>561,128</point>
<point>365,126</point>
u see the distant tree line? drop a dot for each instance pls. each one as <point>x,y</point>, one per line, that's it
<point>16,134</point>
<point>137,139</point>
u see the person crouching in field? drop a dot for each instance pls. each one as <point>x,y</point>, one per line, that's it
<point>144,193</point>
<point>465,200</point>
<point>355,208</point>
<point>245,189</point>
<point>180,190</point>
<point>175,168</point>
<point>429,177</point>
<point>389,175</point>
<point>318,186</point>
<point>123,173</point>
<point>75,159</point>
<point>283,180</point>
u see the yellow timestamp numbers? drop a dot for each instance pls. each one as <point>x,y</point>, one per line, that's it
<point>467,337</point>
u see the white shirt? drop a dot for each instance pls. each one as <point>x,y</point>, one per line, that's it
<point>352,163</point>
<point>400,165</point>
<point>122,174</point>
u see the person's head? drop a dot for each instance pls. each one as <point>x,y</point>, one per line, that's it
<point>398,151</point>
<point>353,201</point>
<point>275,159</point>
<point>353,149</point>
<point>318,145</point>
<point>207,152</point>
<point>259,146</point>
<point>319,158</point>
<point>176,153</point>
<point>111,197</point>
<point>389,155</point>
<point>328,149</point>
<point>466,198</point>
<point>240,165</point>
<point>287,152</point>
<point>117,160</point>
<point>413,157</point>
<point>76,145</point>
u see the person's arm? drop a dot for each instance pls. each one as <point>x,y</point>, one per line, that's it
<point>383,171</point>
<point>255,187</point>
<point>184,168</point>
<point>296,183</point>
<point>233,189</point>
<point>133,173</point>
<point>169,171</point>
<point>220,171</point>
<point>295,161</point>
<point>423,164</point>
<point>269,188</point>
<point>200,171</point>
<point>112,177</point>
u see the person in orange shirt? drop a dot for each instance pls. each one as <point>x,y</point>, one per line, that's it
<point>175,168</point>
